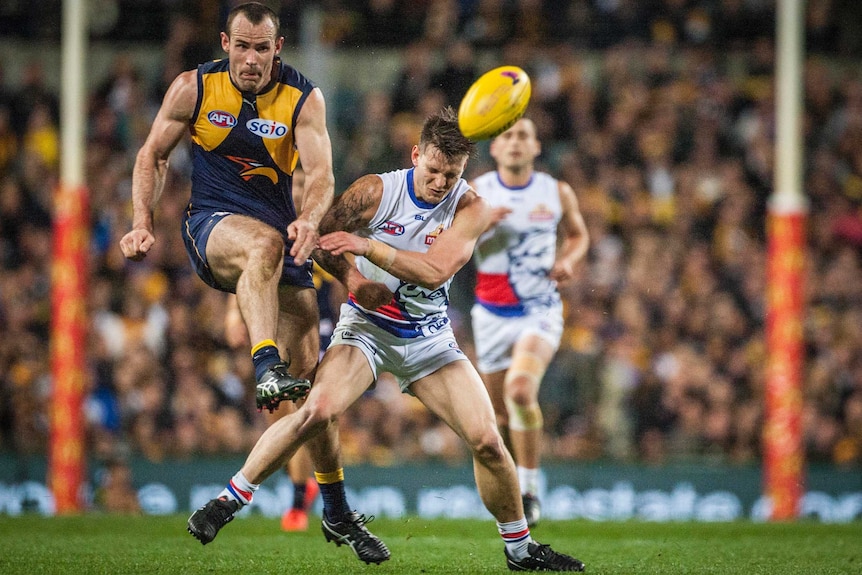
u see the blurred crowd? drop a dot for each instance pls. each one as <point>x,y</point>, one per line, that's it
<point>661,116</point>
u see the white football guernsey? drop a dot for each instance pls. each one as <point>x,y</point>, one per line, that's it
<point>513,258</point>
<point>407,223</point>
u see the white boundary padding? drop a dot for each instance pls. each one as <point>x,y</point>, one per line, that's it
<point>73,110</point>
<point>787,195</point>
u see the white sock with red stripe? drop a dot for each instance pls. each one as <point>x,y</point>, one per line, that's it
<point>239,489</point>
<point>516,536</point>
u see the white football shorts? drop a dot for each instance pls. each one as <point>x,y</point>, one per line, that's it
<point>494,336</point>
<point>408,359</point>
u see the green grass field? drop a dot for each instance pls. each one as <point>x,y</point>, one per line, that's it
<point>121,545</point>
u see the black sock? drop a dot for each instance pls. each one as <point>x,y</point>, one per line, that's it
<point>299,496</point>
<point>334,500</point>
<point>264,355</point>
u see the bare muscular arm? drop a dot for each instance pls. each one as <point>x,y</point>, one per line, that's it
<point>315,150</point>
<point>576,240</point>
<point>352,211</point>
<point>449,252</point>
<point>151,163</point>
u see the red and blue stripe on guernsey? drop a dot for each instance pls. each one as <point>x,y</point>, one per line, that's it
<point>390,310</point>
<point>392,318</point>
<point>494,292</point>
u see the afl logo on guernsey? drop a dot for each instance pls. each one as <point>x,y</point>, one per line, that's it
<point>266,128</point>
<point>221,119</point>
<point>391,228</point>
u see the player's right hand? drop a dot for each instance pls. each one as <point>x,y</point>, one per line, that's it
<point>304,236</point>
<point>137,243</point>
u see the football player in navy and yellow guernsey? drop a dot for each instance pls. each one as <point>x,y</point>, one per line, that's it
<point>251,117</point>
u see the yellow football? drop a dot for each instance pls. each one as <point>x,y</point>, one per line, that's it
<point>494,102</point>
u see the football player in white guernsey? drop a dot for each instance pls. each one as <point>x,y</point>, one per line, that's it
<point>518,314</point>
<point>409,231</point>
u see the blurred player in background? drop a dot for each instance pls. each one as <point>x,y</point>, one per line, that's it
<point>518,315</point>
<point>251,117</point>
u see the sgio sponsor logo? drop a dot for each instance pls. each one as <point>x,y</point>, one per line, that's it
<point>266,128</point>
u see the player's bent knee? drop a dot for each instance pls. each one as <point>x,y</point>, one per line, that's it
<point>489,448</point>
<point>315,419</point>
<point>268,248</point>
<point>523,392</point>
<point>523,386</point>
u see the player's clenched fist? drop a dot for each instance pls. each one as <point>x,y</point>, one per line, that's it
<point>137,243</point>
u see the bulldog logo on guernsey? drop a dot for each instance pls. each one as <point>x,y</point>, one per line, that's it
<point>429,238</point>
<point>221,119</point>
<point>541,213</point>
<point>269,129</point>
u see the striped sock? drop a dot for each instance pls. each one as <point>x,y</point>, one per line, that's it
<point>516,536</point>
<point>332,492</point>
<point>239,489</point>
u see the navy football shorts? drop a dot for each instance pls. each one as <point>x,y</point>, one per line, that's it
<point>198,225</point>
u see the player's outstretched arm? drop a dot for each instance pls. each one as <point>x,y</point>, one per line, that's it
<point>151,163</point>
<point>315,149</point>
<point>449,252</point>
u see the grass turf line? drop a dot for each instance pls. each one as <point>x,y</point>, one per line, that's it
<point>101,544</point>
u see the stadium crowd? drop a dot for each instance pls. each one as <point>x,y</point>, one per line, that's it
<point>659,114</point>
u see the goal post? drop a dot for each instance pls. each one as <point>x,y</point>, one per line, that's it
<point>783,457</point>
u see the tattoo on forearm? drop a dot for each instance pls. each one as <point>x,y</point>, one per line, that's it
<point>346,214</point>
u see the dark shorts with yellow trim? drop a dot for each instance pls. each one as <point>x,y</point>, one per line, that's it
<point>196,229</point>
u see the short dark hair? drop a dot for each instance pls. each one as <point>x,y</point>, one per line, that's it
<point>255,12</point>
<point>441,131</point>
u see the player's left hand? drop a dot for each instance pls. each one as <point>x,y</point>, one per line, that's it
<point>304,235</point>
